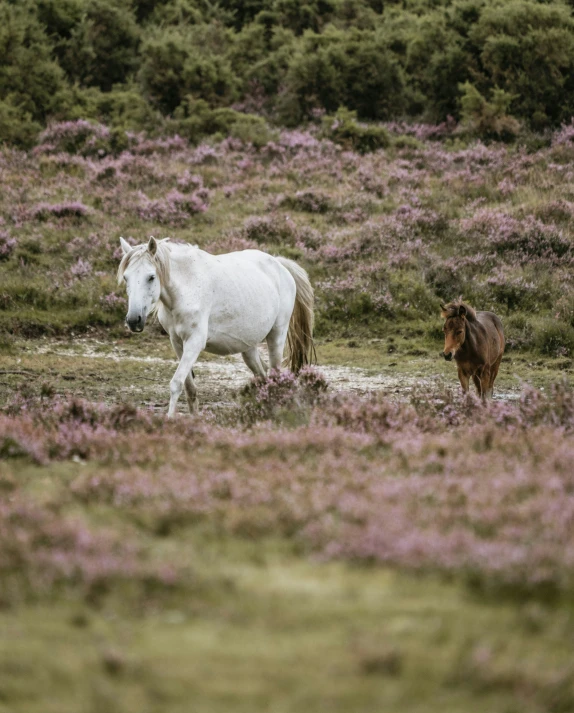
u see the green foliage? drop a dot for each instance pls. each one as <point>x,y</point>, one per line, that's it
<point>488,118</point>
<point>16,126</point>
<point>555,339</point>
<point>102,49</point>
<point>177,62</point>
<point>490,63</point>
<point>344,129</point>
<point>194,120</point>
<point>29,78</point>
<point>527,48</point>
<point>352,69</point>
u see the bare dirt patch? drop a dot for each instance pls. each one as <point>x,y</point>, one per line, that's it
<point>220,378</point>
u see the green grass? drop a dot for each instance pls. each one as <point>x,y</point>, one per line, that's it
<point>268,631</point>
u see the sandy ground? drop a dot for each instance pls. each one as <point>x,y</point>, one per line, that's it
<point>219,378</point>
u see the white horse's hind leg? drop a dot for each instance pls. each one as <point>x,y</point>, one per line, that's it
<point>253,360</point>
<point>276,345</point>
<point>191,393</point>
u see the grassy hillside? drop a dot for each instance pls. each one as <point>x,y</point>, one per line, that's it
<point>386,235</point>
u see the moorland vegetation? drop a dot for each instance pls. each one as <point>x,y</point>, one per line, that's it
<point>296,546</point>
<point>197,68</point>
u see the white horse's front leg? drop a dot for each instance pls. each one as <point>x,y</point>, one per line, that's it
<point>191,349</point>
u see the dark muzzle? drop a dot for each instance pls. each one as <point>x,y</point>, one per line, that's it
<point>447,356</point>
<point>136,324</point>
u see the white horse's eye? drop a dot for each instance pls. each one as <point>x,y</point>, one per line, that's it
<point>151,278</point>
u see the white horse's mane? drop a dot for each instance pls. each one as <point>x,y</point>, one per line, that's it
<point>160,260</point>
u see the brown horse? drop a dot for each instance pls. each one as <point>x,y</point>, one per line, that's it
<point>476,341</point>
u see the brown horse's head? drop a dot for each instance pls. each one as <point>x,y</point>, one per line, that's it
<point>455,315</point>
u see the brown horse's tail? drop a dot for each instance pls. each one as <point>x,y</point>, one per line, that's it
<point>300,334</point>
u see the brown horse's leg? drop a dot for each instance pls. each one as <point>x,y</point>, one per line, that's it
<point>482,382</point>
<point>477,383</point>
<point>494,373</point>
<point>464,379</point>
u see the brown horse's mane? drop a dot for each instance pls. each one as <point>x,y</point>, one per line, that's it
<point>452,309</point>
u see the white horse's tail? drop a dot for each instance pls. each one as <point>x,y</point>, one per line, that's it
<point>300,335</point>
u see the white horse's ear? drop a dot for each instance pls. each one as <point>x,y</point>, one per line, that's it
<point>126,247</point>
<point>152,245</point>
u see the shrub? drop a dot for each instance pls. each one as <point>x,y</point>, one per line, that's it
<point>344,129</point>
<point>352,69</point>
<point>83,137</point>
<point>103,46</point>
<point>488,119</point>
<point>67,209</point>
<point>180,61</point>
<point>308,201</point>
<point>527,48</point>
<point>175,209</point>
<point>16,126</point>
<point>270,230</point>
<point>555,339</point>
<point>281,395</point>
<point>30,80</point>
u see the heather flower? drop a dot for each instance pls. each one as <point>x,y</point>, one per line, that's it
<point>79,136</point>
<point>82,268</point>
<point>67,209</point>
<point>281,391</point>
<point>565,135</point>
<point>203,154</point>
<point>7,244</point>
<point>175,209</point>
<point>113,302</point>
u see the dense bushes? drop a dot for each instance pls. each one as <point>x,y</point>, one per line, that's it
<point>131,63</point>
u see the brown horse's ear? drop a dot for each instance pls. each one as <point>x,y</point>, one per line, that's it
<point>443,312</point>
<point>462,310</point>
<point>152,245</point>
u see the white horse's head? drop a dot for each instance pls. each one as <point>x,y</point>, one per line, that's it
<point>141,271</point>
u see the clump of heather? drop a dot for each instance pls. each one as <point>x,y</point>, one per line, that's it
<point>175,209</point>
<point>270,230</point>
<point>281,394</point>
<point>311,201</point>
<point>81,136</point>
<point>7,244</point>
<point>113,302</point>
<point>66,209</point>
<point>42,553</point>
<point>81,268</point>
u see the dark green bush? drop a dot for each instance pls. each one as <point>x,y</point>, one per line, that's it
<point>352,69</point>
<point>489,119</point>
<point>344,129</point>
<point>194,120</point>
<point>103,46</point>
<point>135,63</point>
<point>527,49</point>
<point>16,126</point>
<point>182,61</point>
<point>30,80</point>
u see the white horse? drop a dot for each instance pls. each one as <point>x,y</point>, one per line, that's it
<point>223,304</point>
